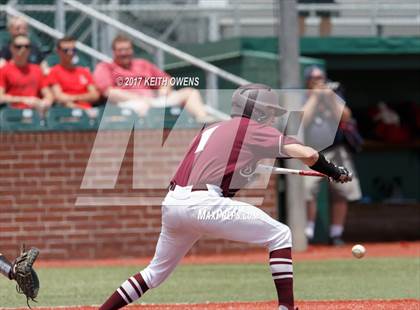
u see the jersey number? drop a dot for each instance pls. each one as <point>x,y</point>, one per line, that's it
<point>204,138</point>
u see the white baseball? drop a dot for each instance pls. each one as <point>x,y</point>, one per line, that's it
<point>358,251</point>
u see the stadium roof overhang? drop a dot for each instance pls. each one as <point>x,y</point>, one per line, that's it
<point>338,52</point>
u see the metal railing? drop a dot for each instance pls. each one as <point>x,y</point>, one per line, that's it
<point>235,14</point>
<point>252,6</point>
<point>212,72</point>
<point>156,43</point>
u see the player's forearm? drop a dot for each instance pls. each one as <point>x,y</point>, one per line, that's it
<point>306,154</point>
<point>314,160</point>
<point>326,167</point>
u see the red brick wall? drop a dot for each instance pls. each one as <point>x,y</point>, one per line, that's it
<point>40,179</point>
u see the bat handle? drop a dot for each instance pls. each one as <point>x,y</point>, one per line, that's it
<point>312,173</point>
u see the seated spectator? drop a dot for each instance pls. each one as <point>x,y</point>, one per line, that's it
<point>72,86</point>
<point>18,26</point>
<point>22,84</point>
<point>110,79</point>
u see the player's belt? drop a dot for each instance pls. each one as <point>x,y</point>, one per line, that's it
<point>195,188</point>
<point>172,186</point>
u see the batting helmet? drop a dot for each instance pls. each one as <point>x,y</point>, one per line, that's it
<point>256,101</point>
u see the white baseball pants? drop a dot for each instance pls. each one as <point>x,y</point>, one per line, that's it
<point>187,215</point>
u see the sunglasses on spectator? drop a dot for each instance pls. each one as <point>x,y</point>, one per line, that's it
<point>68,50</point>
<point>20,46</point>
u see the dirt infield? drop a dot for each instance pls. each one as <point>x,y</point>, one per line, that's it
<point>403,304</point>
<point>318,252</point>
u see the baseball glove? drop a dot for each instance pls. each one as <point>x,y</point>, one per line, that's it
<point>25,276</point>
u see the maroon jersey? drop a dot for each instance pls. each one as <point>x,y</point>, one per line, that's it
<point>226,153</point>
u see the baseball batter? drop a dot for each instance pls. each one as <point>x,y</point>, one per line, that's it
<point>217,164</point>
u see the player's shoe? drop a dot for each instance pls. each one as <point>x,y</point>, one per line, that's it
<point>309,234</point>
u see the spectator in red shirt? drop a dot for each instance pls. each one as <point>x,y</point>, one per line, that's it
<point>22,84</point>
<point>124,82</point>
<point>72,85</point>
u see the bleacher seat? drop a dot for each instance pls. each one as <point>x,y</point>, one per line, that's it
<point>172,116</point>
<point>114,118</point>
<point>61,118</point>
<point>20,120</point>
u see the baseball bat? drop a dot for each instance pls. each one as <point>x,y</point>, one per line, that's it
<point>278,170</point>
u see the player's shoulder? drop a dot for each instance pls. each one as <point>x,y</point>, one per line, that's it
<point>234,122</point>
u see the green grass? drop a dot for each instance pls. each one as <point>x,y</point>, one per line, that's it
<point>389,278</point>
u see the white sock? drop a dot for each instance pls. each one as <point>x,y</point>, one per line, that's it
<point>336,231</point>
<point>310,229</point>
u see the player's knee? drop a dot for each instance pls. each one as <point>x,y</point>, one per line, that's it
<point>288,235</point>
<point>282,238</point>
